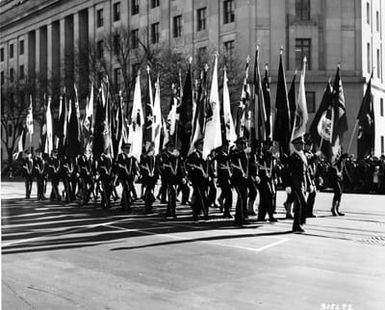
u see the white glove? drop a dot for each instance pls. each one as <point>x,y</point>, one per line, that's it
<point>257,180</point>
<point>288,190</point>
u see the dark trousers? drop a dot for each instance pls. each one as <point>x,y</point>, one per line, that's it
<point>125,202</point>
<point>148,194</point>
<point>241,188</point>
<point>55,189</point>
<point>171,203</point>
<point>68,189</point>
<point>200,203</point>
<point>106,192</point>
<point>310,203</point>
<point>252,195</point>
<point>226,194</point>
<point>212,193</point>
<point>40,187</point>
<point>337,192</point>
<point>299,209</point>
<point>28,186</point>
<point>162,190</point>
<point>185,192</point>
<point>265,202</point>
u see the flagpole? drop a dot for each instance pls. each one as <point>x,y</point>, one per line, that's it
<point>352,136</point>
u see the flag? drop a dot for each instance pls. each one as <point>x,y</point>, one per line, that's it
<point>48,147</point>
<point>101,127</point>
<point>185,116</point>
<point>213,134</point>
<point>172,114</point>
<point>148,127</point>
<point>137,122</point>
<point>20,145</point>
<point>62,124</point>
<point>165,137</point>
<point>266,96</point>
<point>73,141</point>
<point>230,133</point>
<point>339,120</point>
<point>157,122</point>
<point>244,112</point>
<point>292,102</point>
<point>301,115</point>
<point>365,117</point>
<point>200,113</point>
<point>29,122</point>
<point>282,119</point>
<point>321,126</point>
<point>260,115</point>
<point>88,123</point>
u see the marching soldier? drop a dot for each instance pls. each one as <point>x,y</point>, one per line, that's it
<point>39,166</point>
<point>252,182</point>
<point>54,173</point>
<point>28,174</point>
<point>312,164</point>
<point>298,179</point>
<point>85,178</point>
<point>336,180</point>
<point>224,176</point>
<point>171,170</point>
<point>104,168</point>
<point>67,171</point>
<point>240,166</point>
<point>149,176</point>
<point>199,176</point>
<point>162,193</point>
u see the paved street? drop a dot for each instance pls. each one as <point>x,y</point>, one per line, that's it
<point>57,256</point>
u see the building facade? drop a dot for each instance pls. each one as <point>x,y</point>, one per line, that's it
<point>44,36</point>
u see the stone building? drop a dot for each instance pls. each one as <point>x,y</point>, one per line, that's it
<point>44,37</point>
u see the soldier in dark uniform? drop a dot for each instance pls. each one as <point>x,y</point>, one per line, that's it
<point>124,164</point>
<point>252,182</point>
<point>67,171</point>
<point>28,174</point>
<point>54,173</point>
<point>285,180</point>
<point>85,178</point>
<point>149,176</point>
<point>312,164</point>
<point>162,193</point>
<point>104,168</point>
<point>171,169</point>
<point>39,167</point>
<point>336,180</point>
<point>224,176</point>
<point>198,174</point>
<point>240,167</point>
<point>266,187</point>
<point>298,179</point>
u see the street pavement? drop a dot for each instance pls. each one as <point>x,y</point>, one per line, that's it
<point>63,256</point>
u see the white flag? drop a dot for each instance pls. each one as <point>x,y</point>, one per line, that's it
<point>231,135</point>
<point>213,134</point>
<point>301,115</point>
<point>157,118</point>
<point>49,138</point>
<point>137,122</point>
<point>29,119</point>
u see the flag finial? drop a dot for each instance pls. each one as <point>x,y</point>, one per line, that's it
<point>281,49</point>
<point>206,67</point>
<point>266,67</point>
<point>190,59</point>
<point>148,69</point>
<point>295,72</point>
<point>305,59</point>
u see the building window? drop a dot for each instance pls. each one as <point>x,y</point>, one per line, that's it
<point>117,78</point>
<point>229,56</point>
<point>381,107</point>
<point>302,9</point>
<point>11,75</point>
<point>201,16</point>
<point>155,33</point>
<point>302,49</point>
<point>382,145</point>
<point>11,51</point>
<point>368,12</point>
<point>135,38</point>
<point>134,7</point>
<point>202,52</point>
<point>117,44</point>
<point>378,64</point>
<point>135,68</point>
<point>154,3</point>
<point>2,54</point>
<point>228,11</point>
<point>368,58</point>
<point>116,11</point>
<point>310,101</point>
<point>99,49</point>
<point>2,78</point>
<point>99,18</point>
<point>21,72</point>
<point>177,26</point>
<point>378,21</point>
<point>21,47</point>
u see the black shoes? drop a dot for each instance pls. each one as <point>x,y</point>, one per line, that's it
<point>298,229</point>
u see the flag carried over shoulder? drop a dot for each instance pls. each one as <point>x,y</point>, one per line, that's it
<point>48,147</point>
<point>137,122</point>
<point>230,133</point>
<point>339,119</point>
<point>29,118</point>
<point>365,117</point>
<point>282,132</point>
<point>259,104</point>
<point>321,126</point>
<point>301,114</point>
<point>213,134</point>
<point>266,96</point>
<point>157,121</point>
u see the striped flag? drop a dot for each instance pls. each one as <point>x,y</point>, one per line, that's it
<point>231,135</point>
<point>157,122</point>
<point>137,122</point>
